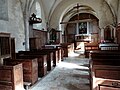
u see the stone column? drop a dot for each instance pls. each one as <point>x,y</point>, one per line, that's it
<point>48,37</point>
<point>102,33</point>
<point>26,23</point>
<point>77,28</point>
<point>60,36</point>
<point>31,30</point>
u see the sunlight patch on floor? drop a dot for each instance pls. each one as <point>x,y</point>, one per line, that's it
<point>71,66</point>
<point>72,54</point>
<point>70,74</point>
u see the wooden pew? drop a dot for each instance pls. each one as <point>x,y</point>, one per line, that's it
<point>51,60</point>
<point>42,62</point>
<point>104,65</point>
<point>57,49</point>
<point>30,68</point>
<point>57,54</point>
<point>39,52</point>
<point>11,77</point>
<point>67,48</point>
<point>90,47</point>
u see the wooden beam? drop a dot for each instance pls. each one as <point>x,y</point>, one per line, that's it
<point>77,21</point>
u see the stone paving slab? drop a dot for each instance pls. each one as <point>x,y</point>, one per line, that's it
<point>70,74</point>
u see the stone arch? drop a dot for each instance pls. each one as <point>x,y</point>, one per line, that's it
<point>109,33</point>
<point>100,7</point>
<point>71,12</point>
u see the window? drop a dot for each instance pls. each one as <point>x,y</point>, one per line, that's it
<point>38,14</point>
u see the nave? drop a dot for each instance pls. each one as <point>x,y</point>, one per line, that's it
<point>70,74</point>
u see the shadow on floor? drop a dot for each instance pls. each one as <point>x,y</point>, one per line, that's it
<point>74,87</point>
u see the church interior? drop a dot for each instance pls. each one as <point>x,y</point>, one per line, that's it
<point>42,41</point>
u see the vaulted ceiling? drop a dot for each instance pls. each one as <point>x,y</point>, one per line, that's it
<point>50,5</point>
<point>62,10</point>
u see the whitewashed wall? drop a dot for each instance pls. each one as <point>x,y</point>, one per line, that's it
<point>14,24</point>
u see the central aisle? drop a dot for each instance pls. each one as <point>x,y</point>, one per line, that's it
<point>70,74</point>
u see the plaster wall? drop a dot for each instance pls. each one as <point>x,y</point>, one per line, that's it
<point>47,4</point>
<point>14,24</point>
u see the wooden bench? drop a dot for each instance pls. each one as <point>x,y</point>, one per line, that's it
<point>57,54</point>
<point>42,62</point>
<point>30,68</point>
<point>108,84</point>
<point>57,48</point>
<point>104,65</point>
<point>90,47</point>
<point>40,52</point>
<point>101,73</point>
<point>50,56</point>
<point>67,48</point>
<point>11,77</point>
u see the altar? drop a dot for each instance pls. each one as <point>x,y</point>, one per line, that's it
<point>52,46</point>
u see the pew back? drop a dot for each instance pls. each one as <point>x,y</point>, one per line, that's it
<point>11,77</point>
<point>30,68</point>
<point>104,65</point>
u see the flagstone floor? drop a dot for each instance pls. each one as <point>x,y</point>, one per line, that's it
<point>70,74</point>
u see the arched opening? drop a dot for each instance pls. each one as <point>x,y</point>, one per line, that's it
<point>38,15</point>
<point>87,26</point>
<point>80,25</point>
<point>109,34</point>
<point>86,30</point>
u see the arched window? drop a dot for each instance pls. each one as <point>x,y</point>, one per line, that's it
<point>38,15</point>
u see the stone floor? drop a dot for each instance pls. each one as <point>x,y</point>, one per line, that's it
<point>70,74</point>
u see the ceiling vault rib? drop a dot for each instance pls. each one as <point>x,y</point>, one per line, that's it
<point>50,12</point>
<point>76,10</point>
<point>118,4</point>
<point>31,4</point>
<point>113,13</point>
